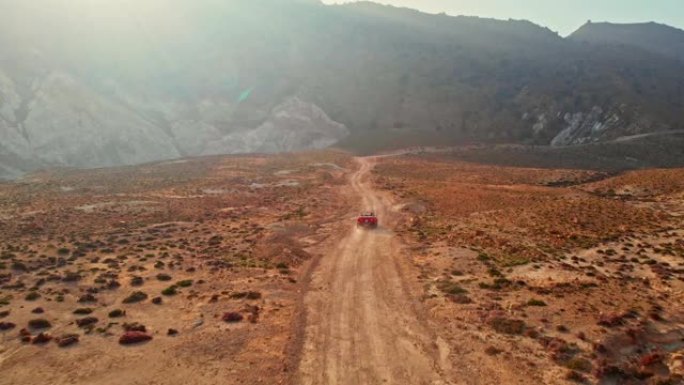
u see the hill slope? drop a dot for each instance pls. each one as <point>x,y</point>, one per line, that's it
<point>657,38</point>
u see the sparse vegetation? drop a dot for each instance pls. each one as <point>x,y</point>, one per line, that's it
<point>508,326</point>
<point>39,323</point>
<point>449,287</point>
<point>32,296</point>
<point>171,290</point>
<point>536,302</point>
<point>116,313</point>
<point>164,277</point>
<point>136,296</point>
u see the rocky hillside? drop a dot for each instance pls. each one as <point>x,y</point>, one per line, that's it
<point>100,86</point>
<point>653,37</point>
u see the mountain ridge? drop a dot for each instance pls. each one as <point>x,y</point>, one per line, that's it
<point>371,76</point>
<point>654,37</point>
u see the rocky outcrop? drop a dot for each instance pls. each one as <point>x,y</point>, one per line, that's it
<point>64,122</point>
<point>292,125</point>
<point>566,128</point>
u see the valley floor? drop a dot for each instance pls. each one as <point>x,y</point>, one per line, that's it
<point>249,270</point>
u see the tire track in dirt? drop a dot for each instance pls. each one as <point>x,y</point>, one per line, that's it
<point>363,325</point>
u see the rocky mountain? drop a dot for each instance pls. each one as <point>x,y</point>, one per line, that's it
<point>652,37</point>
<point>107,85</point>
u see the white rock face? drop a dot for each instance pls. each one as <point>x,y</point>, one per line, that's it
<point>585,127</point>
<point>64,122</point>
<point>69,125</point>
<point>293,125</point>
<point>600,123</point>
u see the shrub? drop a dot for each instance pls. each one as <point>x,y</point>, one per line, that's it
<point>116,313</point>
<point>461,299</point>
<point>451,288</point>
<point>579,364</point>
<point>492,351</point>
<point>171,290</point>
<point>163,277</point>
<point>39,323</point>
<point>32,296</point>
<point>87,298</point>
<point>184,283</point>
<point>83,310</point>
<point>67,340</point>
<point>536,302</point>
<point>508,326</point>
<point>71,277</point>
<point>136,296</point>
<point>19,266</point>
<point>86,322</point>
<point>232,317</point>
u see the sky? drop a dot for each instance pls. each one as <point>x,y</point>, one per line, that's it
<point>562,16</point>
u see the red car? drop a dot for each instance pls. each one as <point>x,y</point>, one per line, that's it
<point>367,220</point>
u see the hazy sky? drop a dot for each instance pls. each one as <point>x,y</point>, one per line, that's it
<point>563,16</point>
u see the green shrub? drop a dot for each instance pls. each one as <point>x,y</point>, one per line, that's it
<point>171,290</point>
<point>164,277</point>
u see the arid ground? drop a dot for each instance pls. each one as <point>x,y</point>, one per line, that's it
<point>249,270</point>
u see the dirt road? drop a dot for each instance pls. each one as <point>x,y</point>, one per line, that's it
<point>363,324</point>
